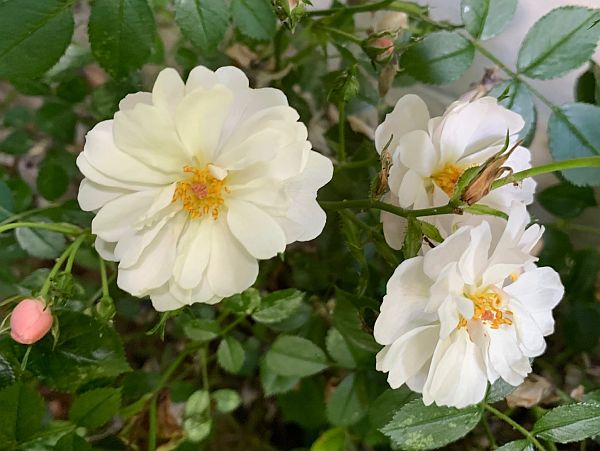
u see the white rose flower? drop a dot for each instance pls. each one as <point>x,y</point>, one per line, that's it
<point>471,310</point>
<point>430,154</point>
<point>194,182</point>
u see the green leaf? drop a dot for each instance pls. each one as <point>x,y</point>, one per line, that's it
<point>17,116</point>
<point>95,408</point>
<point>201,329</point>
<point>197,403</point>
<point>519,99</point>
<point>330,440</point>
<point>499,390</point>
<point>441,57</point>
<point>416,426</point>
<point>230,354</point>
<point>295,356</point>
<point>52,181</point>
<point>245,302</point>
<point>72,442</point>
<point>383,409</point>
<point>431,231</point>
<point>338,349</point>
<point>57,119</point>
<point>255,19</point>
<point>484,19</point>
<point>203,22</point>
<point>227,400</point>
<point>561,41</point>
<point>413,238</point>
<point>87,349</point>
<point>7,375</point>
<point>517,445</point>
<point>40,243</point>
<point>570,423</point>
<point>573,132</point>
<point>346,320</point>
<point>196,431</point>
<point>347,404</point>
<point>273,383</point>
<point>7,201</point>
<point>33,35</point>
<point>122,34</point>
<point>21,414</point>
<point>566,200</point>
<point>16,143</point>
<point>278,306</point>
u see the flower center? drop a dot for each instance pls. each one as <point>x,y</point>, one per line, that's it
<point>488,308</point>
<point>447,177</point>
<point>201,193</point>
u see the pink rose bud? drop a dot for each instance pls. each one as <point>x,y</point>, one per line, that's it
<point>30,321</point>
<point>386,44</point>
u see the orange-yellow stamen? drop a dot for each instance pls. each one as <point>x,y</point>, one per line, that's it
<point>488,308</point>
<point>447,177</point>
<point>201,193</point>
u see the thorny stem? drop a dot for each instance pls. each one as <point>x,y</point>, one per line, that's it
<point>371,203</point>
<point>514,75</point>
<point>60,227</point>
<point>27,213</point>
<point>341,151</point>
<point>556,166</point>
<point>515,425</point>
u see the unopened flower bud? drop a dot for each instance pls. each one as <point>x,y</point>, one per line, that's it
<point>30,321</point>
<point>386,44</point>
<point>392,22</point>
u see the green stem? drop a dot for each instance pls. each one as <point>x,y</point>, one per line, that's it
<point>399,211</point>
<point>232,326</point>
<point>515,425</point>
<point>341,33</point>
<point>204,364</point>
<point>60,227</point>
<point>59,262</point>
<point>74,248</point>
<point>585,162</point>
<point>25,358</point>
<point>351,9</point>
<point>103,278</point>
<point>152,420</point>
<point>341,150</point>
<point>27,213</point>
<point>485,52</point>
<point>489,433</point>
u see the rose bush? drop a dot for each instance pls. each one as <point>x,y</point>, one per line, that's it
<point>234,225</point>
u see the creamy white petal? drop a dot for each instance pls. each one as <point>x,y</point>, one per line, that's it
<point>105,249</point>
<point>231,269</point>
<point>408,354</point>
<point>416,152</point>
<point>411,189</point>
<point>474,259</point>
<point>457,376</point>
<point>448,252</point>
<point>93,196</point>
<point>538,291</point>
<point>410,113</point>
<point>394,226</point>
<point>199,120</point>
<point>119,215</point>
<point>155,266</point>
<point>147,133</point>
<point>256,230</point>
<point>506,356</point>
<point>193,253</point>
<point>168,90</point>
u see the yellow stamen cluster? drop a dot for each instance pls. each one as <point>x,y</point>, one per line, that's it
<point>201,193</point>
<point>488,308</point>
<point>447,177</point>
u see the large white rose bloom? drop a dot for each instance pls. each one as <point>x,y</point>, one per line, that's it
<point>194,182</point>
<point>430,154</point>
<point>471,310</point>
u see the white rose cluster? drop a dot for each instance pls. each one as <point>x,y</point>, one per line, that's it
<point>474,308</point>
